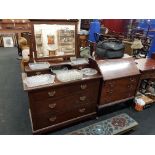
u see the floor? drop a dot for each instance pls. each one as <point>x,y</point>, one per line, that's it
<point>14,117</point>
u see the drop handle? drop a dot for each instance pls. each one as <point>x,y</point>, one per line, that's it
<point>38,73</point>
<point>111,85</point>
<point>110,92</point>
<point>52,119</point>
<point>130,86</point>
<point>83,86</point>
<point>51,106</point>
<point>52,93</point>
<point>82,98</point>
<point>132,79</point>
<point>82,110</point>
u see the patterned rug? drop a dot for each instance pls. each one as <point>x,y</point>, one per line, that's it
<point>116,125</point>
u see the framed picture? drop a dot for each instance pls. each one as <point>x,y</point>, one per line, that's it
<point>8,42</point>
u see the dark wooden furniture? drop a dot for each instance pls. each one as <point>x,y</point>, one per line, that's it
<point>82,42</point>
<point>15,26</point>
<point>85,23</point>
<point>120,80</point>
<point>146,67</point>
<point>60,104</point>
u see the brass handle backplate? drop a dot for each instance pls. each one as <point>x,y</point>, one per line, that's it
<point>83,86</point>
<point>82,110</point>
<point>52,93</point>
<point>82,98</point>
<point>132,79</point>
<point>38,73</point>
<point>53,105</point>
<point>52,119</point>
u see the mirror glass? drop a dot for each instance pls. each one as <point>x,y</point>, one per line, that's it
<point>54,40</point>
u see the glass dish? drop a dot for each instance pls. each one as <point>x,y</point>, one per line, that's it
<point>69,75</point>
<point>38,80</point>
<point>89,71</point>
<point>39,65</point>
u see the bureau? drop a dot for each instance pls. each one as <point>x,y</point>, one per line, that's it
<point>53,107</point>
<point>120,80</point>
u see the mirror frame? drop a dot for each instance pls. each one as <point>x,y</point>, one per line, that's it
<point>50,22</point>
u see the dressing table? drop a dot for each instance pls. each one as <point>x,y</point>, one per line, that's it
<point>56,105</point>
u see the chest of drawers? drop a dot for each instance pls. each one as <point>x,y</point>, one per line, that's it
<point>60,105</point>
<point>120,80</point>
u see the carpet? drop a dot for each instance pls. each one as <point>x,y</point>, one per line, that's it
<point>115,125</point>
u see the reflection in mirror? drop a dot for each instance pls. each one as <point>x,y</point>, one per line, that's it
<point>54,40</point>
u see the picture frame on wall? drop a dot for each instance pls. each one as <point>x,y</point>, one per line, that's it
<point>8,41</point>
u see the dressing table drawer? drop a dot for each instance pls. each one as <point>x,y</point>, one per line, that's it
<point>59,91</point>
<point>49,119</point>
<point>63,104</point>
<point>117,96</point>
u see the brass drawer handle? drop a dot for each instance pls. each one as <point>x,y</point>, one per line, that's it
<point>53,105</point>
<point>82,98</point>
<point>111,84</point>
<point>82,110</point>
<point>110,92</point>
<point>132,79</point>
<point>130,87</point>
<point>83,86</point>
<point>52,119</point>
<point>52,93</point>
<point>38,73</point>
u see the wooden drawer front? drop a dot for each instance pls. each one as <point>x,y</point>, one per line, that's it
<point>116,90</point>
<point>116,97</point>
<point>64,104</point>
<point>65,90</point>
<point>38,72</point>
<point>121,84</point>
<point>50,119</point>
<point>147,75</point>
